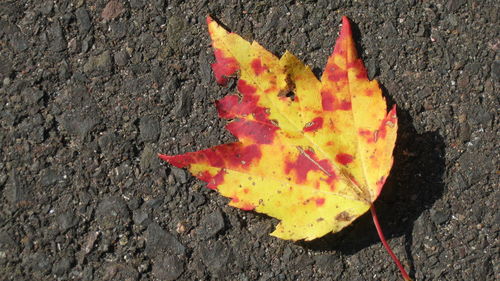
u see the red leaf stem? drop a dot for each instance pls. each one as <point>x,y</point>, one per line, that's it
<point>386,245</point>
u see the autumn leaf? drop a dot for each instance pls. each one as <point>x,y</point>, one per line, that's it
<point>313,154</point>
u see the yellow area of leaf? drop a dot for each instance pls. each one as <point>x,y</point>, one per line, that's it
<point>313,154</point>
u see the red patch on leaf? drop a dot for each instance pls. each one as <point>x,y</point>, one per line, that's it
<point>380,183</point>
<point>231,106</point>
<point>389,121</point>
<point>369,92</point>
<point>261,133</point>
<point>331,103</point>
<point>358,64</point>
<point>368,135</point>
<point>226,155</point>
<point>335,74</point>
<point>245,88</point>
<point>345,105</point>
<point>257,66</point>
<point>320,201</point>
<point>238,155</point>
<point>344,158</point>
<point>260,130</point>
<point>247,207</point>
<point>303,165</point>
<point>315,124</point>
<point>327,100</point>
<point>223,67</point>
<point>212,181</point>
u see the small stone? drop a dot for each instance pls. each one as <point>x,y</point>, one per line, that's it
<point>210,225</point>
<point>454,5</point>
<point>121,58</point>
<point>465,133</point>
<point>64,72</point>
<point>372,69</point>
<point>112,10</point>
<point>168,268</point>
<point>106,141</point>
<point>287,255</point>
<point>136,4</point>
<point>63,265</point>
<point>8,246</point>
<point>329,264</point>
<point>56,38</point>
<point>78,123</point>
<point>74,45</point>
<point>439,216</point>
<point>123,241</point>
<point>182,105</point>
<point>46,8</point>
<point>39,263</point>
<point>118,29</point>
<point>49,177</point>
<point>216,258</point>
<point>149,127</point>
<point>167,93</point>
<point>90,242</point>
<point>181,227</point>
<point>66,221</point>
<point>142,268</point>
<point>154,203</point>
<point>16,189</point>
<point>303,261</point>
<point>87,43</point>
<point>472,68</point>
<point>5,67</point>
<point>149,159</point>
<point>205,69</point>
<point>112,212</point>
<point>495,70</point>
<point>19,43</point>
<point>83,19</point>
<point>141,216</point>
<point>101,64</point>
<point>159,242</point>
<point>159,4</point>
<point>175,32</point>
<point>134,203</point>
<point>116,271</point>
<point>179,174</point>
<point>483,117</point>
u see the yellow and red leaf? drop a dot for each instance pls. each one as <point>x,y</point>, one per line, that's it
<point>313,154</point>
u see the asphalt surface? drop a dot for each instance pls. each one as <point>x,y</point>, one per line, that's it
<point>91,91</point>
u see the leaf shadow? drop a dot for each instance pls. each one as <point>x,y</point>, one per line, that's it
<point>414,184</point>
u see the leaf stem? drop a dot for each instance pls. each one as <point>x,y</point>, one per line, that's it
<point>386,245</point>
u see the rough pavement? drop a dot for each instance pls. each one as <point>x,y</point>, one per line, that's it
<point>91,91</point>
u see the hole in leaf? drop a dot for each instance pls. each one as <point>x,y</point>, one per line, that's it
<point>290,95</point>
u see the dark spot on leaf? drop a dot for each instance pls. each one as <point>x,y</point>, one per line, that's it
<point>343,216</point>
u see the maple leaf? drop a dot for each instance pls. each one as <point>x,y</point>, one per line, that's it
<point>313,154</point>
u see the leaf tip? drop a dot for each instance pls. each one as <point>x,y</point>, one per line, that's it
<point>163,157</point>
<point>179,161</point>
<point>346,27</point>
<point>209,19</point>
